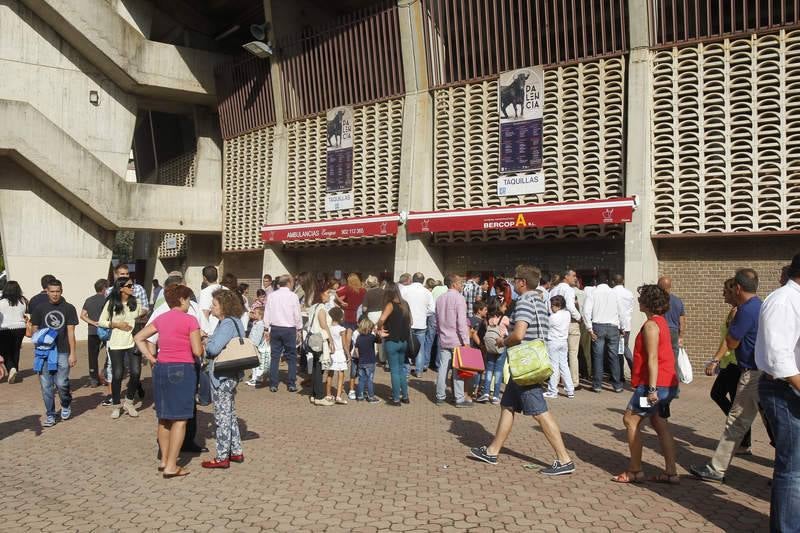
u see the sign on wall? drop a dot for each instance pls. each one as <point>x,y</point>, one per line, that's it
<point>339,201</point>
<point>520,103</point>
<point>339,176</point>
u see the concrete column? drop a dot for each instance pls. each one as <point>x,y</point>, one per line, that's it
<point>208,161</point>
<point>412,253</point>
<point>641,263</point>
<point>201,251</point>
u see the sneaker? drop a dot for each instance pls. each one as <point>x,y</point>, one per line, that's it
<point>597,389</point>
<point>550,395</point>
<point>707,474</point>
<point>571,395</point>
<point>744,450</point>
<point>482,455</point>
<point>374,399</point>
<point>12,375</point>
<point>108,402</point>
<point>251,382</point>
<point>557,469</point>
<point>66,412</point>
<point>484,398</point>
<point>273,389</point>
<point>116,412</point>
<point>440,401</point>
<point>127,405</point>
<point>49,422</point>
<point>324,402</point>
<point>462,405</point>
<point>495,401</point>
<point>352,395</point>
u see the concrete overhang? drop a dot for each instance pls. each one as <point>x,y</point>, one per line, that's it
<point>58,160</point>
<point>138,65</point>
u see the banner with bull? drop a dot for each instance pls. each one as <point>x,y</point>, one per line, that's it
<point>339,142</point>
<point>521,100</point>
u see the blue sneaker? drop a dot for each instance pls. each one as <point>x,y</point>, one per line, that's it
<point>66,412</point>
<point>49,422</point>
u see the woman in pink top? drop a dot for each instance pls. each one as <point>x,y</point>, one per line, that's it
<point>174,375</point>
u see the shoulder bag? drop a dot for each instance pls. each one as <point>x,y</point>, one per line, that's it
<point>528,362</point>
<point>313,342</point>
<point>239,354</point>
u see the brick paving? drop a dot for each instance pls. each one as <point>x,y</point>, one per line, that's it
<point>365,468</point>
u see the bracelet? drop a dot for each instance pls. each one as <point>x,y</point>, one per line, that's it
<point>713,362</point>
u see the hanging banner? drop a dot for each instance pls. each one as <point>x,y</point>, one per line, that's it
<point>339,176</point>
<point>343,228</point>
<point>520,102</point>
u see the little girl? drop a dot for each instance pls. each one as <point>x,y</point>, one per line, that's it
<point>260,337</point>
<point>340,356</point>
<point>557,348</point>
<point>497,324</point>
<point>364,358</point>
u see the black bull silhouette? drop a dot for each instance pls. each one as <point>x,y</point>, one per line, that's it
<point>513,94</point>
<point>335,129</point>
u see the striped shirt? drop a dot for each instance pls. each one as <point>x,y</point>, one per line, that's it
<point>532,309</point>
<point>471,292</point>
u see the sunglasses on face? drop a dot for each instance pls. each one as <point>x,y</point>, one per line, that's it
<point>128,286</point>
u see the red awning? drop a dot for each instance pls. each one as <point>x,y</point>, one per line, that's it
<point>610,211</point>
<point>342,228</point>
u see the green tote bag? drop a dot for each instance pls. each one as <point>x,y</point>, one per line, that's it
<point>528,362</point>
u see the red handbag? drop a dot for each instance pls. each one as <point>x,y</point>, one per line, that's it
<point>468,358</point>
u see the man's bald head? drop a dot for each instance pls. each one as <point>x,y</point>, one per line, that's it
<point>665,283</point>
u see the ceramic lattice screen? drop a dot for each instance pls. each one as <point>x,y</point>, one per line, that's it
<point>378,130</point>
<point>726,136</point>
<point>246,176</point>
<point>582,145</point>
<point>178,172</point>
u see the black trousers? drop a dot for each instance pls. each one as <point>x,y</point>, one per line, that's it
<point>93,348</point>
<point>317,387</point>
<point>10,344</point>
<point>723,392</point>
<point>118,363</point>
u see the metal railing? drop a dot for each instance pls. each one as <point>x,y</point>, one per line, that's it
<point>245,101</point>
<point>688,21</point>
<point>474,39</point>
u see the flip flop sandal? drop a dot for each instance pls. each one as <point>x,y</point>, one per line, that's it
<point>629,477</point>
<point>161,468</point>
<point>180,473</point>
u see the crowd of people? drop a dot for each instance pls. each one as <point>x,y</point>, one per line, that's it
<point>338,332</point>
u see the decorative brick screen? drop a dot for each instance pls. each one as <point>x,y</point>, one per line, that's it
<point>178,172</point>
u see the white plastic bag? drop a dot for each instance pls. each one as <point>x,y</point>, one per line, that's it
<point>684,367</point>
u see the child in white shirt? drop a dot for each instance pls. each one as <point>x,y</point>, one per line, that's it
<point>557,348</point>
<point>339,358</point>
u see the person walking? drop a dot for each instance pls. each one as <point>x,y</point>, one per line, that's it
<point>226,306</point>
<point>529,323</point>
<point>676,316</point>
<point>741,336</point>
<point>452,327</point>
<point>13,324</point>
<point>420,302</point>
<point>655,386</point>
<point>566,289</point>
<point>394,327</point>
<point>174,375</point>
<point>54,358</point>
<point>90,313</point>
<point>777,353</point>
<point>120,314</point>
<point>40,297</point>
<point>285,325</point>
<point>602,318</point>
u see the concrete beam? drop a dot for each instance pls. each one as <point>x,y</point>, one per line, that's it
<point>58,160</point>
<point>120,51</point>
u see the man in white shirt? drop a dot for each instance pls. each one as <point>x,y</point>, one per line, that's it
<point>777,354</point>
<point>420,302</point>
<point>208,322</point>
<point>544,287</point>
<point>601,317</point>
<point>567,289</point>
<point>626,300</point>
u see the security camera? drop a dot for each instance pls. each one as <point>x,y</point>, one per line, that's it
<point>258,49</point>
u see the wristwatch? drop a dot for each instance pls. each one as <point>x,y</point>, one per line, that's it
<point>651,390</point>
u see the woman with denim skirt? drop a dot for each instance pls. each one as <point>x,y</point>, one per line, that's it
<point>174,374</point>
<point>394,327</point>
<point>227,307</point>
<point>655,386</point>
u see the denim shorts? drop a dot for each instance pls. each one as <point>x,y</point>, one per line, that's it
<point>174,385</point>
<point>661,408</point>
<point>528,399</point>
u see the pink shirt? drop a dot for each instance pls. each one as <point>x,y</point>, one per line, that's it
<point>451,319</point>
<point>283,309</point>
<point>174,328</point>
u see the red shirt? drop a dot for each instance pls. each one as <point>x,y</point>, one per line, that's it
<point>640,374</point>
<point>353,299</point>
<point>174,328</point>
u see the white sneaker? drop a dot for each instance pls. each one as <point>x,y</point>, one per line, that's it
<point>550,395</point>
<point>127,405</point>
<point>116,412</point>
<point>352,395</point>
<point>251,382</point>
<point>12,375</point>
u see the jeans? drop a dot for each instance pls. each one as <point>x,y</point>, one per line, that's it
<point>444,365</point>
<point>781,404</point>
<point>493,376</point>
<point>396,355</point>
<point>743,412</point>
<point>430,339</point>
<point>559,354</point>
<point>723,392</point>
<point>118,359</point>
<point>606,347</point>
<point>419,361</point>
<point>59,379</point>
<point>283,341</point>
<point>93,349</point>
<point>366,375</point>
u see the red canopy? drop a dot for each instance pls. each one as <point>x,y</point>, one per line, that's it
<point>342,228</point>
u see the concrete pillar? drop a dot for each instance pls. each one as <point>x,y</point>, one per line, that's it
<point>208,161</point>
<point>641,263</point>
<point>201,251</point>
<point>415,254</point>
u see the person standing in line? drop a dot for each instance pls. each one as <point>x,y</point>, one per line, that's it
<point>373,306</point>
<point>285,325</point>
<point>208,322</point>
<point>472,291</point>
<point>741,336</point>
<point>321,361</point>
<point>676,316</point>
<point>453,331</point>
<point>364,353</point>
<point>530,323</point>
<point>557,348</point>
<point>42,296</point>
<point>155,292</point>
<point>267,285</point>
<point>496,328</point>
<point>352,296</point>
<point>585,343</point>
<point>626,300</point>
<point>122,271</point>
<point>477,331</point>
<point>430,326</point>
<point>601,316</point>
<point>13,323</point>
<point>655,386</point>
<point>569,280</point>
<point>544,287</point>
<point>778,356</point>
<point>420,302</point>
<point>119,315</point>
<point>723,391</point>
<point>339,358</point>
<point>58,315</point>
<point>394,327</point>
<point>90,313</point>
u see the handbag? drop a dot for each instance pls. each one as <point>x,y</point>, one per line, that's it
<point>412,347</point>
<point>528,362</point>
<point>313,342</point>
<point>239,354</point>
<point>468,358</point>
<point>104,334</point>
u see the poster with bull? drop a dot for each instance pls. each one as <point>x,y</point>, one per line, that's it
<point>339,177</point>
<point>521,100</point>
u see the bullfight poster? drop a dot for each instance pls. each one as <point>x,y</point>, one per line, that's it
<point>339,141</point>
<point>521,100</point>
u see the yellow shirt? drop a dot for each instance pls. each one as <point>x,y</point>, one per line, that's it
<point>120,339</point>
<point>730,355</point>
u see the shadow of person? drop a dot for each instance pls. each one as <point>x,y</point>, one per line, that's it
<point>81,404</point>
<point>26,423</point>
<point>471,434</point>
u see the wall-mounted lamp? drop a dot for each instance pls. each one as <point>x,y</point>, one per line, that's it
<point>94,98</point>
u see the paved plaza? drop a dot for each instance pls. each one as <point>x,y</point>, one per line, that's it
<point>365,467</point>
